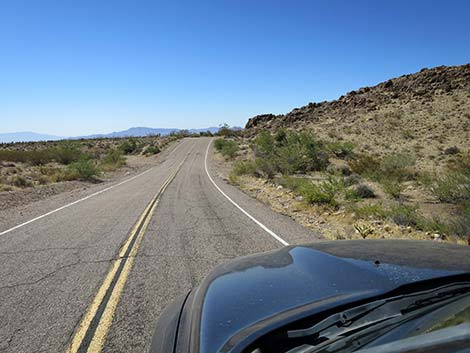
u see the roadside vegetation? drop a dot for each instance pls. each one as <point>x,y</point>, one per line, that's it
<point>374,196</point>
<point>25,165</point>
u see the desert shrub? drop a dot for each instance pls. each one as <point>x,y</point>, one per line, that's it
<point>264,168</point>
<point>114,159</point>
<point>20,181</point>
<point>226,131</point>
<point>47,170</point>
<point>390,171</point>
<point>324,192</point>
<point>42,179</point>
<point>243,167</point>
<point>40,157</point>
<point>129,146</point>
<point>84,169</point>
<point>5,187</point>
<point>36,157</point>
<point>403,215</point>
<point>451,150</point>
<point>114,156</point>
<point>361,191</point>
<point>67,152</point>
<point>396,167</point>
<point>453,187</point>
<point>228,148</point>
<point>263,145</point>
<point>461,225</point>
<point>374,211</point>
<point>12,156</point>
<point>339,169</point>
<point>218,144</point>
<point>365,164</point>
<point>392,187</point>
<point>289,152</point>
<point>152,150</point>
<point>352,180</point>
<point>344,150</point>
<point>207,133</point>
<point>392,167</point>
<point>460,164</point>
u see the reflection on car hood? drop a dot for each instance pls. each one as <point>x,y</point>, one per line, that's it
<point>237,296</point>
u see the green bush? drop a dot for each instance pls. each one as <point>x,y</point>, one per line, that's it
<point>352,180</point>
<point>67,152</point>
<point>20,181</point>
<point>40,157</point>
<point>226,131</point>
<point>361,191</point>
<point>289,152</point>
<point>453,187</point>
<point>152,150</point>
<point>403,215</point>
<point>370,211</point>
<point>218,144</point>
<point>365,164</point>
<point>324,192</point>
<point>228,148</point>
<point>396,167</point>
<point>244,168</point>
<point>129,146</point>
<point>35,157</point>
<point>344,150</point>
<point>84,169</point>
<point>461,226</point>
<point>114,157</point>
<point>390,171</point>
<point>393,167</point>
<point>392,187</point>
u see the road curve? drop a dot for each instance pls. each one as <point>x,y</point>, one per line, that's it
<point>54,268</point>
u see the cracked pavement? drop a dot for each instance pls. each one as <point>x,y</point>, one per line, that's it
<point>51,269</point>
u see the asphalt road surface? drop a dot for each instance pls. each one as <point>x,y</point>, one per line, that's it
<point>92,271</point>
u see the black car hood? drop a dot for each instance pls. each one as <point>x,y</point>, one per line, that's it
<point>240,300</point>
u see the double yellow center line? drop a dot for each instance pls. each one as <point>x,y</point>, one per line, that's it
<point>90,335</point>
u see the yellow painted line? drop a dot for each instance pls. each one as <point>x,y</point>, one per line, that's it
<point>99,336</point>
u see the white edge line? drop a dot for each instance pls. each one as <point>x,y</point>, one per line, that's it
<point>80,200</point>
<point>266,229</point>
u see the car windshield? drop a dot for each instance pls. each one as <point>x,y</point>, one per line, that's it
<point>382,322</point>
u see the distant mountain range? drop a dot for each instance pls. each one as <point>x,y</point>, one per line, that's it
<point>27,136</point>
<point>134,131</point>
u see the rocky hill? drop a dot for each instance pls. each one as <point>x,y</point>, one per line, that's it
<point>425,113</point>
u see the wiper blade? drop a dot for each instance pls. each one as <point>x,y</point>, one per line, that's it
<point>377,315</point>
<point>338,319</point>
<point>351,339</point>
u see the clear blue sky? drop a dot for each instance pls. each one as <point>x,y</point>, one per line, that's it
<point>79,67</point>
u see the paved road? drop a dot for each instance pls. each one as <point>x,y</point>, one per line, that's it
<point>53,269</point>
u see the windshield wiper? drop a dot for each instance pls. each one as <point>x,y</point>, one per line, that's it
<point>372,319</point>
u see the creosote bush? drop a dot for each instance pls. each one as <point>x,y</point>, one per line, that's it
<point>84,169</point>
<point>228,148</point>
<point>389,171</point>
<point>67,152</point>
<point>152,150</point>
<point>454,187</point>
<point>289,152</point>
<point>362,191</point>
<point>129,146</point>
